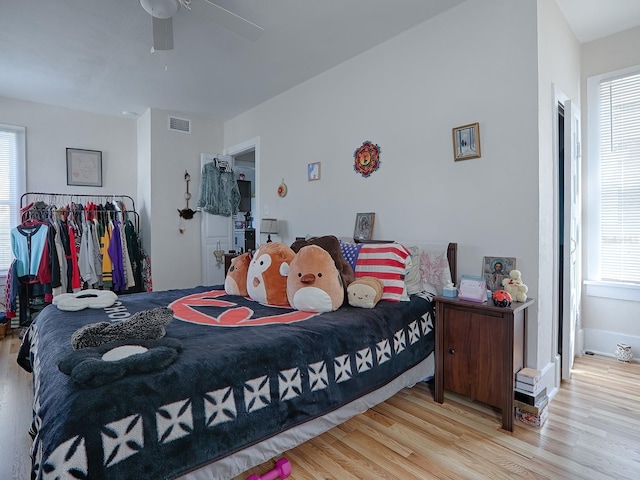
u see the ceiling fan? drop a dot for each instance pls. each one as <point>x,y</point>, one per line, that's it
<point>162,12</point>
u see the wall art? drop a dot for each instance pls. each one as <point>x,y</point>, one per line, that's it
<point>366,159</point>
<point>466,142</point>
<point>496,269</point>
<point>84,167</point>
<point>364,226</point>
<point>313,171</point>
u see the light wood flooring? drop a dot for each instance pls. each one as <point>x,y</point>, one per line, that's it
<point>593,432</point>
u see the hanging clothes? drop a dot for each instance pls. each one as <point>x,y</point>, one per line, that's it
<point>72,263</point>
<point>27,244</point>
<point>107,266</point>
<point>115,253</point>
<point>136,256</point>
<point>76,254</point>
<point>86,258</point>
<point>62,283</point>
<point>219,193</point>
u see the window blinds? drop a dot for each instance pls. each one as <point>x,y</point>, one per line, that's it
<point>12,180</point>
<point>620,179</point>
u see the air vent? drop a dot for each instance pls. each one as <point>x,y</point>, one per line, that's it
<point>179,124</point>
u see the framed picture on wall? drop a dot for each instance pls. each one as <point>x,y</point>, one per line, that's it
<point>364,226</point>
<point>313,171</point>
<point>84,167</point>
<point>466,142</point>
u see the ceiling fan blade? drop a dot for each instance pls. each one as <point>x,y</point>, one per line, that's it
<point>162,33</point>
<point>227,19</point>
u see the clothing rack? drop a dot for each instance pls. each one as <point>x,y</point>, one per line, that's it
<point>50,198</point>
<point>73,266</point>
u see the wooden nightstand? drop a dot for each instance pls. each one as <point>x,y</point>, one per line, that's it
<point>479,348</point>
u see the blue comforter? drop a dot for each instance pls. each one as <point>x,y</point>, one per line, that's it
<point>243,372</point>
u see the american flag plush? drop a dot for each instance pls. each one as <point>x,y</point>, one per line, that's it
<point>387,261</point>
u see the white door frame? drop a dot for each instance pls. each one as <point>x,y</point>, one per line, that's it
<point>239,149</point>
<point>572,238</point>
<point>561,98</point>
<point>226,238</point>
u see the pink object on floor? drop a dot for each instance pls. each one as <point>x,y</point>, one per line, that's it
<point>282,470</point>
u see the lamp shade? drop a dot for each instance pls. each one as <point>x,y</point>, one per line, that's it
<point>269,225</point>
<point>160,8</point>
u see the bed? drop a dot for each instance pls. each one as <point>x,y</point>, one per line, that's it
<point>232,384</point>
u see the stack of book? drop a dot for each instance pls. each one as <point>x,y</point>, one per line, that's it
<point>530,398</point>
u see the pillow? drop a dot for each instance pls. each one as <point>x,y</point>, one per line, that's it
<point>388,262</point>
<point>413,280</point>
<point>332,245</point>
<point>235,283</point>
<point>365,292</point>
<point>434,267</point>
<point>267,274</point>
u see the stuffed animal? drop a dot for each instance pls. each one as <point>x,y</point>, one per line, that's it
<point>235,282</point>
<point>515,287</point>
<point>365,292</point>
<point>147,324</point>
<point>267,274</point>
<point>332,245</point>
<point>314,283</point>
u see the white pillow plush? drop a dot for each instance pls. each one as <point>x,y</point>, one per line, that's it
<point>91,298</point>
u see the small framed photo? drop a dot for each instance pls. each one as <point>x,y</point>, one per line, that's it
<point>84,167</point>
<point>313,171</point>
<point>466,142</point>
<point>496,269</point>
<point>364,226</point>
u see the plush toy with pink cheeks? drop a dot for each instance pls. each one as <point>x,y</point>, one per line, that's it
<point>515,287</point>
<point>267,274</point>
<point>235,282</point>
<point>314,283</point>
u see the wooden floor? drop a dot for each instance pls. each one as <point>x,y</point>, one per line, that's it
<point>593,432</point>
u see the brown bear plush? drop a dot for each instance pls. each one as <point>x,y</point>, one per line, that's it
<point>314,283</point>
<point>332,245</point>
<point>267,274</point>
<point>236,281</point>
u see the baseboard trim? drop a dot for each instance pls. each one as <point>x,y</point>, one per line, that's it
<point>551,377</point>
<point>602,342</point>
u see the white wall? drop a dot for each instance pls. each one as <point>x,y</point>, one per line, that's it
<point>175,258</point>
<point>141,159</point>
<point>50,130</point>
<point>558,70</point>
<point>476,62</point>
<point>606,321</point>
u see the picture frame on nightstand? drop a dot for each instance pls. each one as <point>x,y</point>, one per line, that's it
<point>472,289</point>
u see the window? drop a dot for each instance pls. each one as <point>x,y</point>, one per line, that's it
<point>12,186</point>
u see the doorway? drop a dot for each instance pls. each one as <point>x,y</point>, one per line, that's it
<point>219,233</point>
<point>568,241</point>
<point>244,224</point>
<point>561,245</point>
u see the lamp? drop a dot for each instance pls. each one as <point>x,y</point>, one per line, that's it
<point>160,8</point>
<point>269,226</point>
